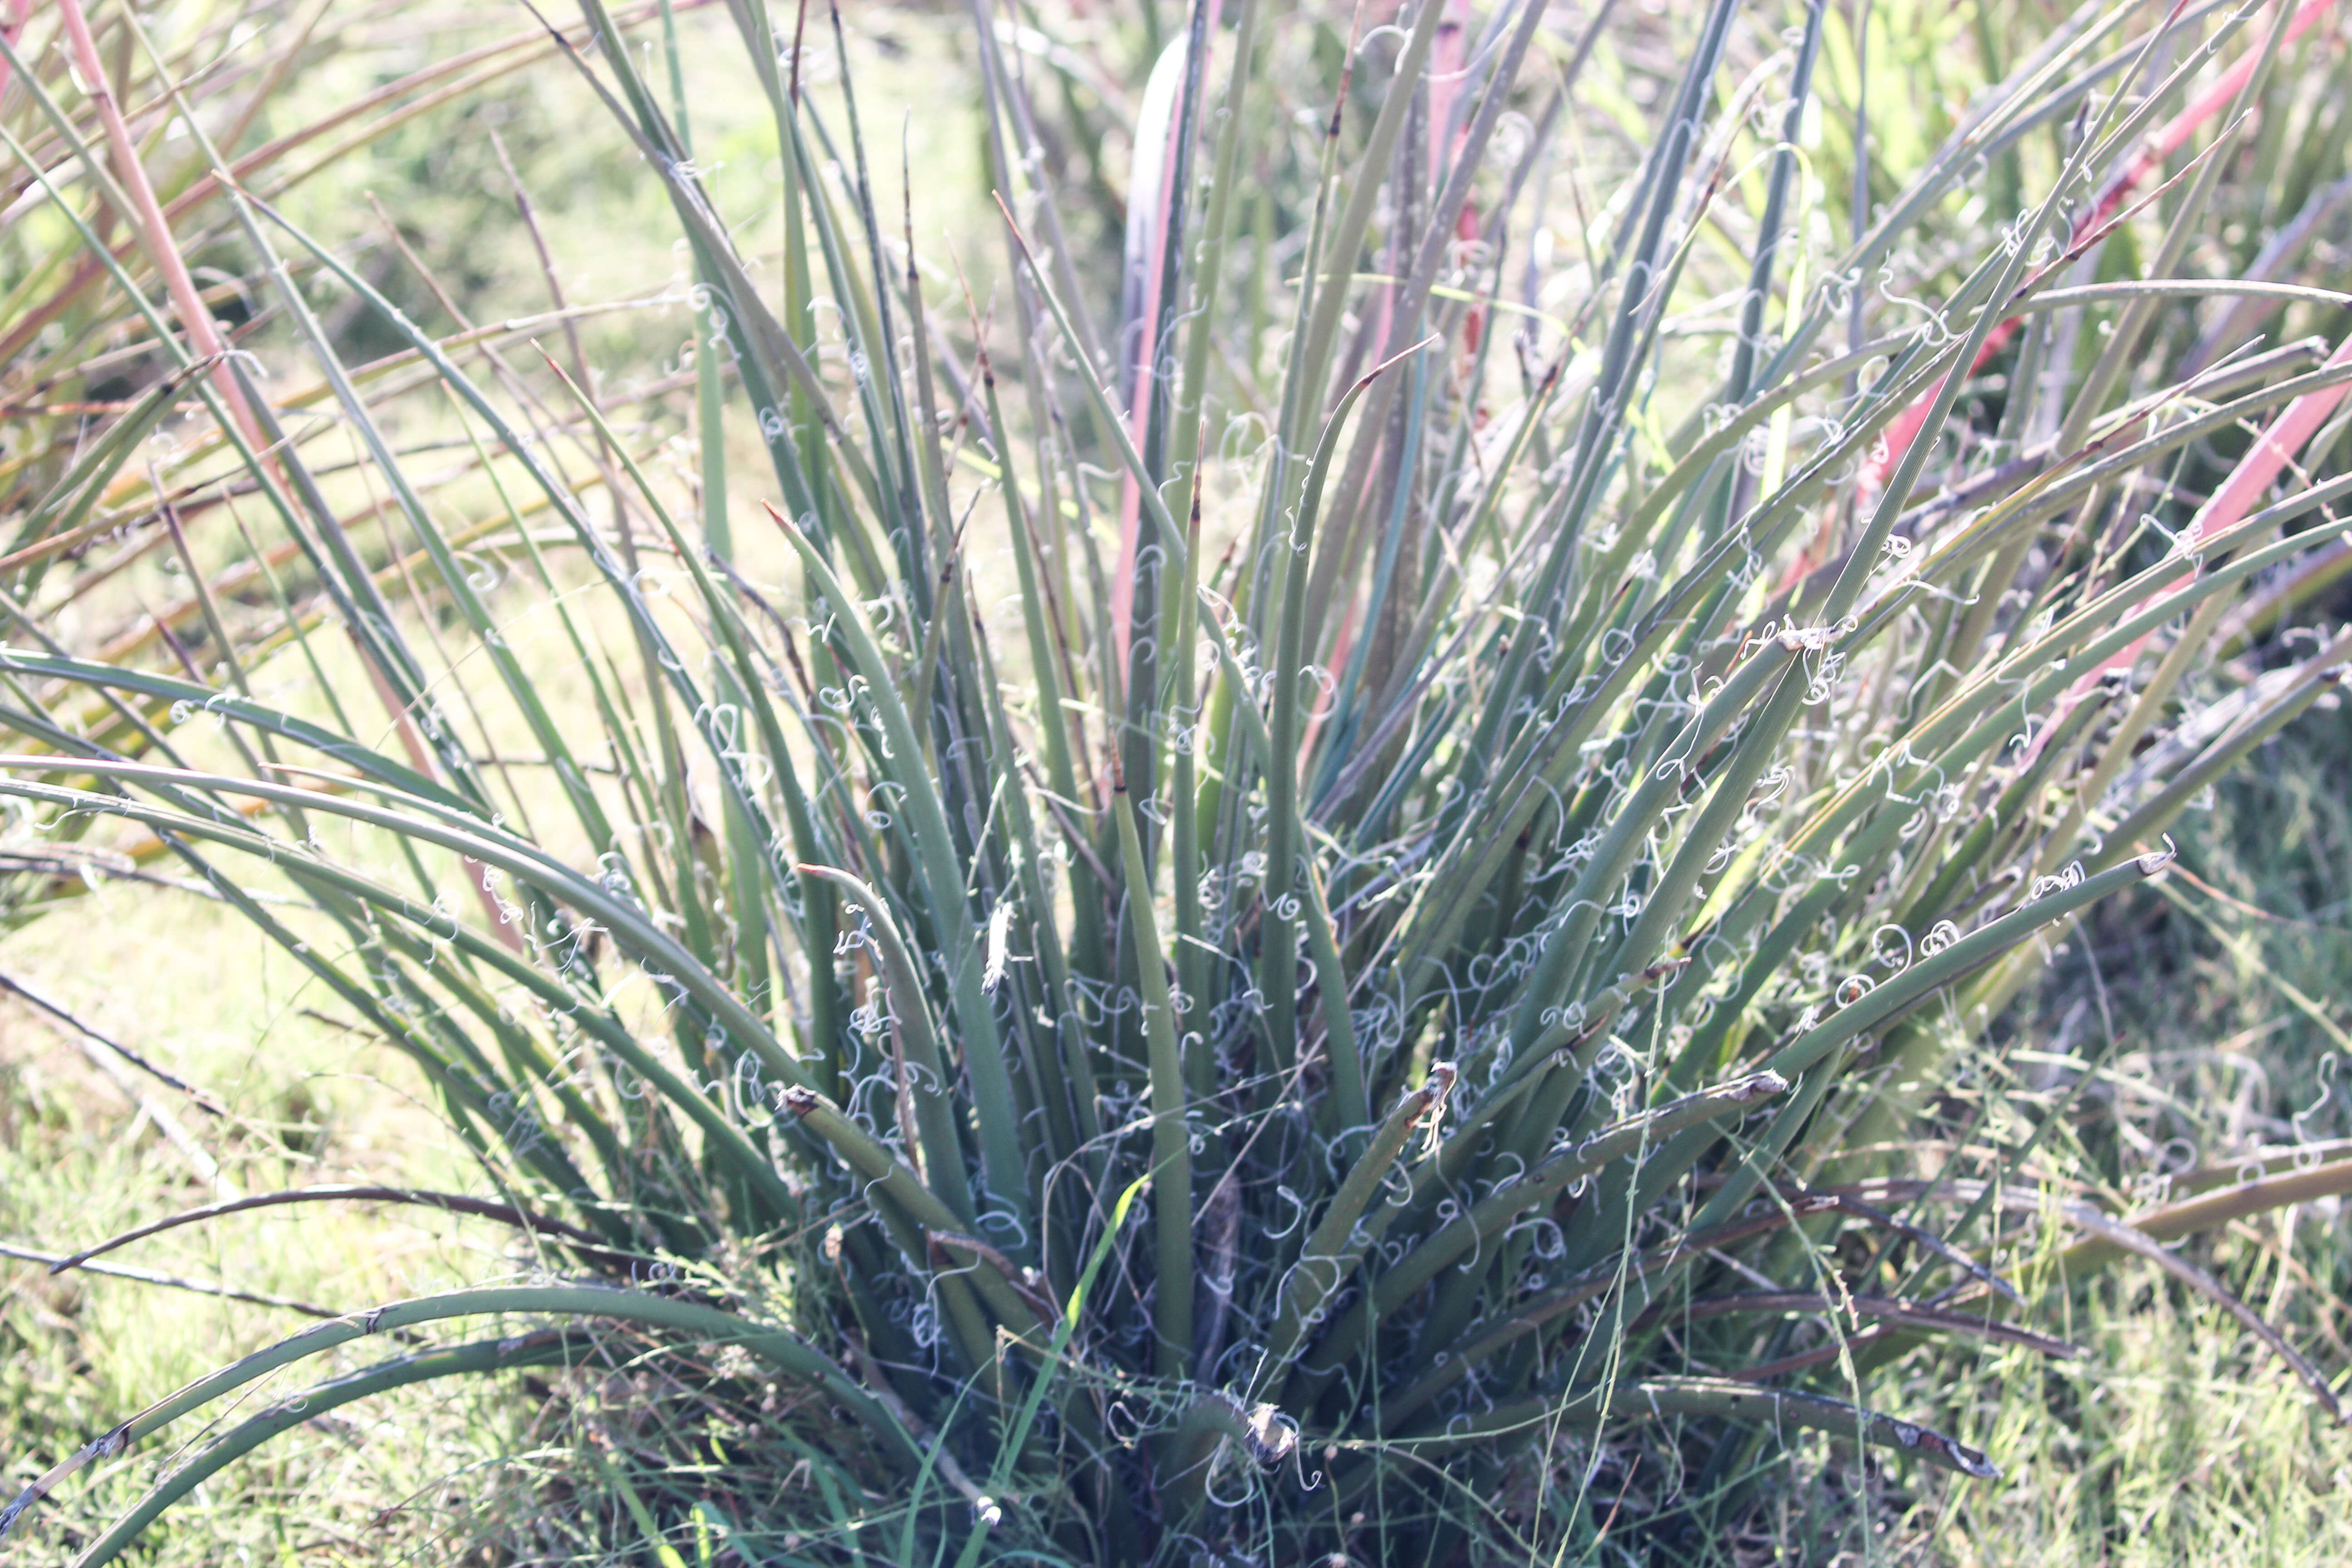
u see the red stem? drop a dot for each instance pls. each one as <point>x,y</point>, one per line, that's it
<point>2153,152</point>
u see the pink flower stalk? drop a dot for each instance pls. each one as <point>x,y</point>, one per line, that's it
<point>17,12</point>
<point>195,320</point>
<point>2160,146</point>
<point>1159,131</point>
<point>2238,496</point>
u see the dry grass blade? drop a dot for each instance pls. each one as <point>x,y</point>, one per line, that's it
<point>448,1202</point>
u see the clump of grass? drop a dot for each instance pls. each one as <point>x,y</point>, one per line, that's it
<point>1214,937</point>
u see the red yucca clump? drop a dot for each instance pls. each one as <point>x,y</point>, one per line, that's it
<point>1282,886</point>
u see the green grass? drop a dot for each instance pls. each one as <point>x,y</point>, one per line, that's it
<point>305,1104</point>
<point>2179,1451</point>
<point>1258,957</point>
<point>2173,1449</point>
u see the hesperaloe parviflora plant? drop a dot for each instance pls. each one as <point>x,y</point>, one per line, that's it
<point>1287,860</point>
